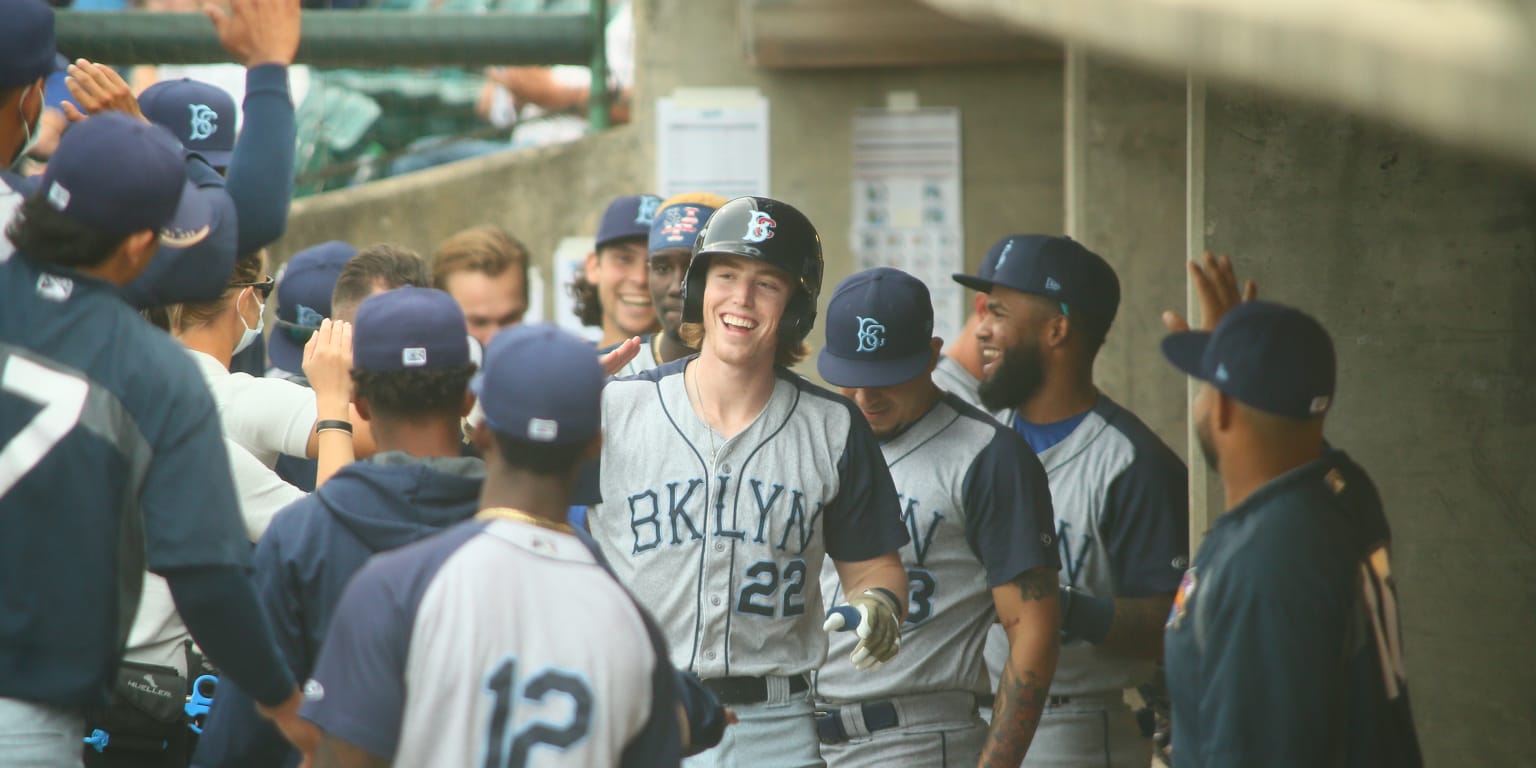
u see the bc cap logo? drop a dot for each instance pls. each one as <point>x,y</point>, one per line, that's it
<point>1003,257</point>
<point>413,357</point>
<point>1318,404</point>
<point>204,121</point>
<point>760,228</point>
<point>871,334</point>
<point>543,430</point>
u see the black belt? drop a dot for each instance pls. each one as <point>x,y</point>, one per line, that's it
<point>878,716</point>
<point>734,691</point>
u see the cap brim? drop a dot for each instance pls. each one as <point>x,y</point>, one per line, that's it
<point>1186,350</point>
<point>192,222</point>
<point>285,353</point>
<point>857,374</point>
<point>973,282</point>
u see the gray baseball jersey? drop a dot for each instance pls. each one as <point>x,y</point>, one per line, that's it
<point>978,509</point>
<point>1122,515</point>
<point>954,378</point>
<point>476,647</point>
<point>724,540</point>
<point>645,359</point>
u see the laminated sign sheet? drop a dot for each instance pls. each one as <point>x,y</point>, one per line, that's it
<point>906,202</point>
<point>712,140</point>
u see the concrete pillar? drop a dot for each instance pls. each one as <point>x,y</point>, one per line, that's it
<point>1125,200</point>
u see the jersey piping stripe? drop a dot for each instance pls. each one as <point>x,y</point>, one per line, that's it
<point>736,505</point>
<point>926,440</point>
<point>707,471</point>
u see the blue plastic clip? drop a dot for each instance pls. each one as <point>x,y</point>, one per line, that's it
<point>98,740</point>
<point>199,702</point>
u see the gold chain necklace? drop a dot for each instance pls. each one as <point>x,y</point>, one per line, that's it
<point>508,513</point>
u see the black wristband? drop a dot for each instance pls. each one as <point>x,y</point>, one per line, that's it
<point>889,595</point>
<point>338,424</point>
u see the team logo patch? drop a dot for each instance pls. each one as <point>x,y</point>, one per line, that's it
<point>1221,372</point>
<point>1318,404</point>
<point>58,196</point>
<point>871,334</point>
<point>680,223</point>
<point>543,430</point>
<point>760,228</point>
<point>307,317</point>
<point>1003,257</point>
<point>1050,283</point>
<point>204,122</point>
<point>1180,563</point>
<point>54,287</point>
<point>413,357</point>
<point>1181,599</point>
<point>1045,538</point>
<point>1335,481</point>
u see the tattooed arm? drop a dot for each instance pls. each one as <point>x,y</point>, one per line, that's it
<point>1027,608</point>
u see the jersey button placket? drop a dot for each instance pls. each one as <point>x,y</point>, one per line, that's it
<point>720,572</point>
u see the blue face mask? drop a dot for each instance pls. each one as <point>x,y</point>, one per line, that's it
<point>250,335</point>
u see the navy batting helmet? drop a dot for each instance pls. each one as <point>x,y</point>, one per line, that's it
<point>766,230</point>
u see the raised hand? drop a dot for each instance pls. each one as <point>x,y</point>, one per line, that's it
<point>257,32</point>
<point>1216,285</point>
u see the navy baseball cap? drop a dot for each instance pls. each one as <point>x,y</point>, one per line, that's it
<point>627,217</point>
<point>1058,268</point>
<point>1265,355</point>
<point>879,330</point>
<point>119,175</point>
<point>408,329</point>
<point>304,288</point>
<point>26,42</point>
<point>541,384</point>
<point>678,226</point>
<point>202,116</point>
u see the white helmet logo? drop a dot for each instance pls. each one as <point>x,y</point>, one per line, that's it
<point>760,228</point>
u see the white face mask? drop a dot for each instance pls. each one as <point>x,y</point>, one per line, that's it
<point>29,130</point>
<point>250,335</point>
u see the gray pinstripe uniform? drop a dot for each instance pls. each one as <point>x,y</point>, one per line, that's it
<point>977,507</point>
<point>724,541</point>
<point>1122,506</point>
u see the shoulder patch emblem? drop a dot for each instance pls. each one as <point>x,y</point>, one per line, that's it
<point>1181,599</point>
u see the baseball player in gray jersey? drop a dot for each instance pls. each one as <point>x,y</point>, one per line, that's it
<point>727,481</point>
<point>1120,494</point>
<point>978,509</point>
<point>674,230</point>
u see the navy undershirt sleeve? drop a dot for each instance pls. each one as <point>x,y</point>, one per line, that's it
<point>1009,521</point>
<point>260,174</point>
<point>864,521</point>
<point>219,607</point>
<point>1146,524</point>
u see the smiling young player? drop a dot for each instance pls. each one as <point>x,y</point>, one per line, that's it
<point>727,481</point>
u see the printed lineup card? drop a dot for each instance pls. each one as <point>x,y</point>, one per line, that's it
<point>906,202</point>
<point>712,140</point>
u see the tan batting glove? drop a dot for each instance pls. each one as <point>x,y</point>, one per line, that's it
<point>873,615</point>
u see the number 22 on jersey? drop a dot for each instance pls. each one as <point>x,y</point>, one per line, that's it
<point>62,397</point>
